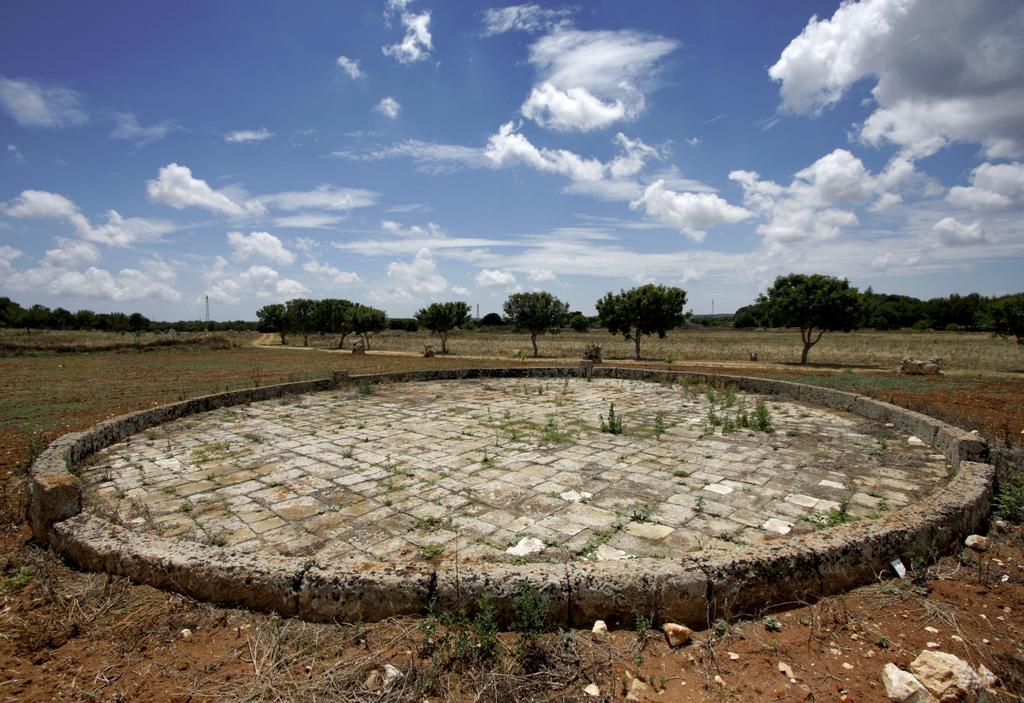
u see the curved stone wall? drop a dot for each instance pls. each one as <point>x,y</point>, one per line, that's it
<point>693,590</point>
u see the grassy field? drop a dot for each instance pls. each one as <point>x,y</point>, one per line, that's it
<point>972,351</point>
<point>19,341</point>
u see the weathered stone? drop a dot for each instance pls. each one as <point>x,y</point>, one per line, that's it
<point>677,635</point>
<point>947,677</point>
<point>978,543</point>
<point>932,367</point>
<point>592,690</point>
<point>599,631</point>
<point>391,675</point>
<point>54,497</point>
<point>525,547</point>
<point>636,690</point>
<point>903,687</point>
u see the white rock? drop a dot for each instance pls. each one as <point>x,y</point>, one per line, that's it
<point>185,633</point>
<point>592,690</point>
<point>733,656</point>
<point>677,635</point>
<point>978,543</point>
<point>903,686</point>
<point>915,441</point>
<point>636,690</point>
<point>599,631</point>
<point>786,670</point>
<point>931,629</point>
<point>525,547</point>
<point>848,666</point>
<point>576,496</point>
<point>988,679</point>
<point>932,645</point>
<point>776,525</point>
<point>607,552</point>
<point>391,675</point>
<point>947,677</point>
<point>718,488</point>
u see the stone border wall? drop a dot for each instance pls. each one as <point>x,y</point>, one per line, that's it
<point>694,590</point>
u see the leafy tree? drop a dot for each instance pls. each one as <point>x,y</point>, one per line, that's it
<point>1008,317</point>
<point>491,319</point>
<point>642,311</point>
<point>63,319</point>
<point>442,318</point>
<point>300,317</point>
<point>10,313</point>
<point>750,316</point>
<point>85,320</point>
<point>138,323</point>
<point>537,313</point>
<point>814,303</point>
<point>334,316</point>
<point>274,318</point>
<point>367,320</point>
<point>579,322</point>
<point>36,317</point>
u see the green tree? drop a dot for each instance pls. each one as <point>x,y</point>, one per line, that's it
<point>579,322</point>
<point>10,313</point>
<point>138,323</point>
<point>642,311</point>
<point>537,313</point>
<point>85,320</point>
<point>300,314</point>
<point>491,319</point>
<point>367,320</point>
<point>815,303</point>
<point>1008,317</point>
<point>274,318</point>
<point>63,319</point>
<point>334,316</point>
<point>36,317</point>
<point>442,318</point>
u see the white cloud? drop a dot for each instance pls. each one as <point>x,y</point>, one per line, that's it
<point>259,245</point>
<point>431,230</point>
<point>117,231</point>
<point>461,292</point>
<point>524,18</point>
<point>495,278</point>
<point>153,280</point>
<point>417,43</point>
<point>324,197</point>
<point>351,67</point>
<point>248,136</point>
<point>175,186</point>
<point>129,129</point>
<point>32,104</point>
<point>508,147</point>
<point>572,109</point>
<point>633,158</point>
<point>540,275</point>
<point>71,253</point>
<point>308,220</point>
<point>418,276</point>
<point>690,213</point>
<point>993,187</point>
<point>590,79</point>
<point>816,204</point>
<point>945,70</point>
<point>14,154</point>
<point>331,273</point>
<point>950,232</point>
<point>389,107</point>
<point>224,284</point>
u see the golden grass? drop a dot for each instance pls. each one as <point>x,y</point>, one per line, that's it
<point>970,351</point>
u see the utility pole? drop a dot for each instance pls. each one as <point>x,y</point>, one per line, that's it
<point>207,313</point>
<point>478,311</point>
<point>712,306</point>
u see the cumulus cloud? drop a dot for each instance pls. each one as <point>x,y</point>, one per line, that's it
<point>259,245</point>
<point>71,253</point>
<point>389,107</point>
<point>461,291</point>
<point>116,231</point>
<point>495,278</point>
<point>331,273</point>
<point>524,18</point>
<point>418,276</point>
<point>509,146</point>
<point>944,70</point>
<point>417,42</point>
<point>540,275</point>
<point>993,187</point>
<point>950,232</point>
<point>690,213</point>
<point>175,186</point>
<point>225,284</point>
<point>351,67</point>
<point>248,136</point>
<point>591,79</point>
<point>33,104</point>
<point>432,229</point>
<point>128,128</point>
<point>815,206</point>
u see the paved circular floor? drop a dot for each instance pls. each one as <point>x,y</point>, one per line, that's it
<point>507,470</point>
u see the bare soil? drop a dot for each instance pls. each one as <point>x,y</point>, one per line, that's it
<point>73,636</point>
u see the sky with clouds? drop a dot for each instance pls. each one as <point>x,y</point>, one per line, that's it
<point>398,152</point>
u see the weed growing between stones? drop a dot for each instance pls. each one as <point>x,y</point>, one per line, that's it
<point>1009,502</point>
<point>613,425</point>
<point>366,387</point>
<point>36,445</point>
<point>762,420</point>
<point>833,518</point>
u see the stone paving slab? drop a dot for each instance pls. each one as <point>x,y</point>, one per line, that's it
<point>470,467</point>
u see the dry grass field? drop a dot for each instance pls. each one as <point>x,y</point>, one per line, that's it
<point>966,351</point>
<point>19,341</point>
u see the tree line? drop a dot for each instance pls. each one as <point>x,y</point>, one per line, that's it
<point>40,317</point>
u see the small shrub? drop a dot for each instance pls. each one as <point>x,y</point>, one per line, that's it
<point>659,425</point>
<point>771,623</point>
<point>1010,500</point>
<point>366,387</point>
<point>641,513</point>
<point>592,352</point>
<point>762,418</point>
<point>613,425</point>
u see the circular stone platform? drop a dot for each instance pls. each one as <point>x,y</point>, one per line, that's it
<point>476,468</point>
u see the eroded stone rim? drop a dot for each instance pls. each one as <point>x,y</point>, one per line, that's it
<point>692,589</point>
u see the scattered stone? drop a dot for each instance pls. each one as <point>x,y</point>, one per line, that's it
<point>947,677</point>
<point>978,543</point>
<point>372,682</point>
<point>932,645</point>
<point>677,635</point>
<point>606,552</point>
<point>733,656</point>
<point>592,690</point>
<point>787,671</point>
<point>185,633</point>
<point>988,679</point>
<point>636,690</point>
<point>913,367</point>
<point>649,530</point>
<point>391,674</point>
<point>915,441</point>
<point>525,547</point>
<point>774,524</point>
<point>932,630</point>
<point>719,680</point>
<point>848,666</point>
<point>903,686</point>
<point>576,496</point>
<point>599,631</point>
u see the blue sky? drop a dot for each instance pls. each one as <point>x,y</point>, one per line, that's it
<point>400,152</point>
